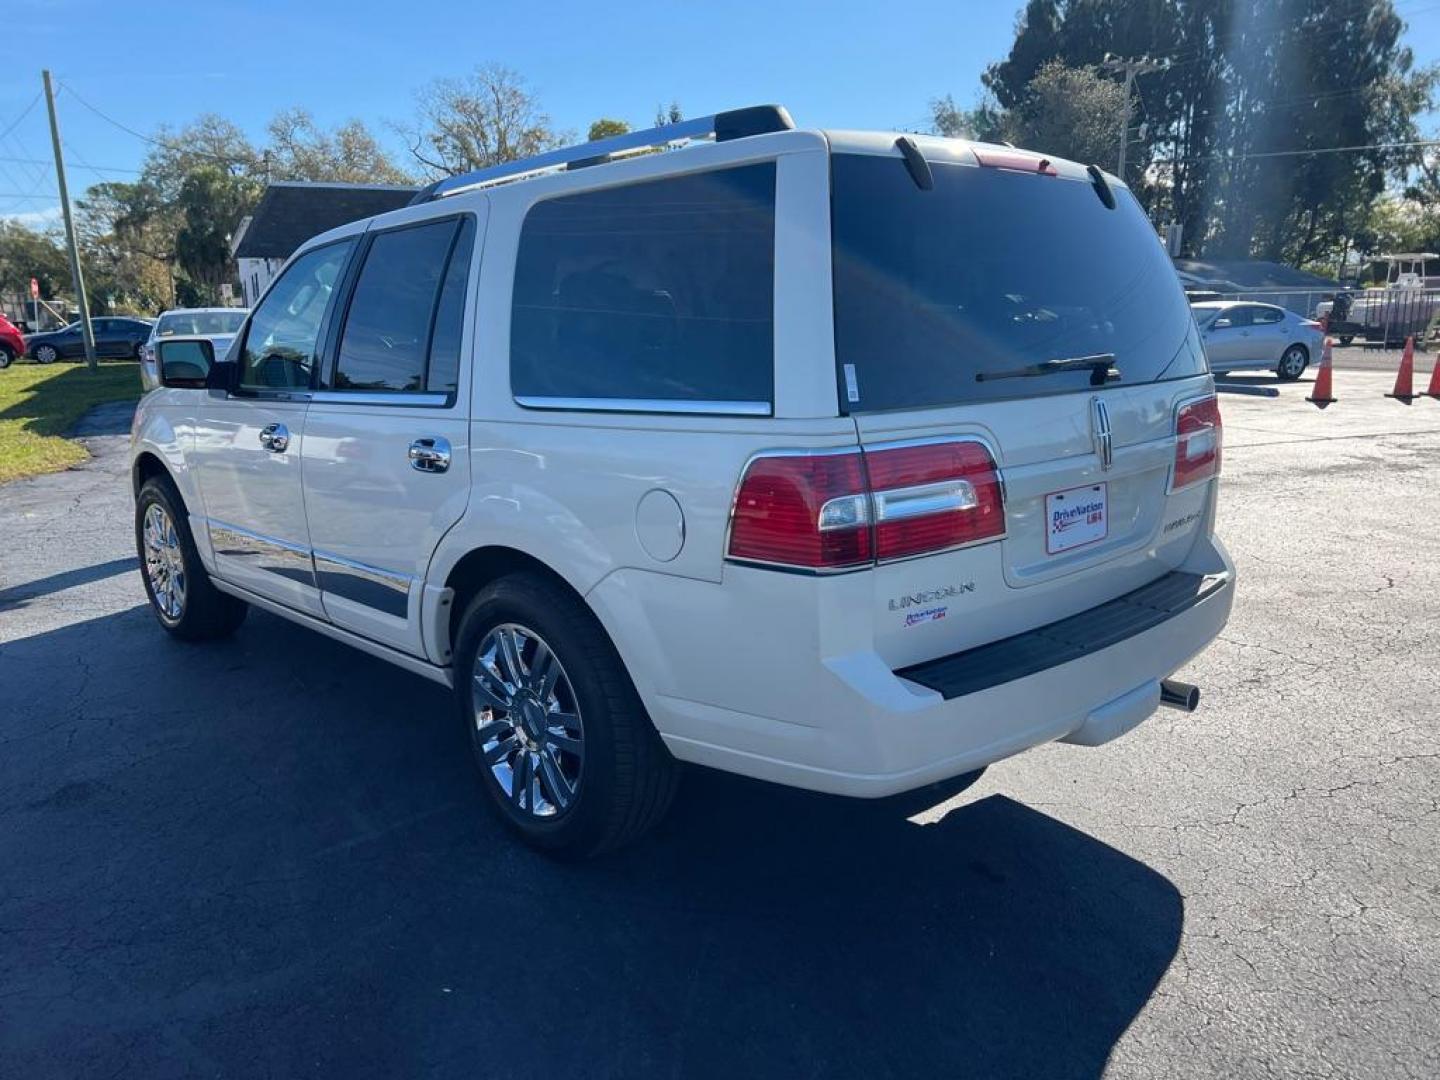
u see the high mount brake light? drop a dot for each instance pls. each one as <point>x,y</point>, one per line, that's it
<point>852,508</point>
<point>997,158</point>
<point>1198,438</point>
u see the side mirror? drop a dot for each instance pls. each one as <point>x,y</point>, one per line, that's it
<point>1221,323</point>
<point>184,363</point>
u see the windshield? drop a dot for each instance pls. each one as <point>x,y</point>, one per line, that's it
<point>187,323</point>
<point>989,272</point>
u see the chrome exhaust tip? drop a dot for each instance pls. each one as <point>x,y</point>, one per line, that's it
<point>1179,695</point>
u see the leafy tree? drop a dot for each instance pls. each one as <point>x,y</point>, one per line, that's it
<point>211,142</point>
<point>1069,112</point>
<point>486,118</point>
<point>985,122</point>
<point>127,241</point>
<point>1251,90</point>
<point>604,128</point>
<point>299,149</point>
<point>1402,222</point>
<point>211,202</point>
<point>27,253</point>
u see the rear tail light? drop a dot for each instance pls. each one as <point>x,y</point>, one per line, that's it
<point>1198,433</point>
<point>808,510</point>
<point>848,509</point>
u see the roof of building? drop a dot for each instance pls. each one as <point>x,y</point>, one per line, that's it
<point>291,212</point>
<point>1252,274</point>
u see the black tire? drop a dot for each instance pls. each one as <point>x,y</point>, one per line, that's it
<point>1293,362</point>
<point>46,354</point>
<point>7,356</point>
<point>626,778</point>
<point>204,613</point>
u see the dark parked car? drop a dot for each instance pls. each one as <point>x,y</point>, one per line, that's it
<point>116,336</point>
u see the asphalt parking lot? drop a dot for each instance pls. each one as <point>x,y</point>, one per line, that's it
<point>267,857</point>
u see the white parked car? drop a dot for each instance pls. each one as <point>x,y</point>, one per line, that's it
<point>849,461</point>
<point>1241,335</point>
<point>218,324</point>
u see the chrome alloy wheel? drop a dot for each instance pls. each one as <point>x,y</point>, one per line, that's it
<point>164,562</point>
<point>527,723</point>
<point>1292,364</point>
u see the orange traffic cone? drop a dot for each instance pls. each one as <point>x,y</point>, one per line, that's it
<point>1433,391</point>
<point>1322,396</point>
<point>1404,379</point>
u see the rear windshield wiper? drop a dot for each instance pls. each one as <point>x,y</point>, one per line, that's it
<point>1101,367</point>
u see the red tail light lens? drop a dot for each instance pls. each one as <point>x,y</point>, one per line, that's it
<point>1198,433</point>
<point>807,510</point>
<point>848,509</point>
<point>932,497</point>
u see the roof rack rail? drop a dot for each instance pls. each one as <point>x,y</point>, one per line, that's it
<point>723,126</point>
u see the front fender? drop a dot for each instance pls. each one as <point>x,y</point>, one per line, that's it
<point>156,432</point>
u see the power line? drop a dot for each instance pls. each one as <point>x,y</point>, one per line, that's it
<point>43,161</point>
<point>104,178</point>
<point>151,140</point>
<point>23,113</point>
<point>1300,153</point>
<point>32,174</point>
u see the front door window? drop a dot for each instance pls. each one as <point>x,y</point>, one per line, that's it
<point>282,341</point>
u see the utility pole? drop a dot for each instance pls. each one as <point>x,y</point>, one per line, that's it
<point>77,278</point>
<point>1131,69</point>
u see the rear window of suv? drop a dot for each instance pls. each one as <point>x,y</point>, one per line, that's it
<point>654,296</point>
<point>989,272</point>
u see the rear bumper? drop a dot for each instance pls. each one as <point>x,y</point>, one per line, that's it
<point>850,725</point>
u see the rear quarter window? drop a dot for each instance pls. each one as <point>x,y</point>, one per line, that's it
<point>652,295</point>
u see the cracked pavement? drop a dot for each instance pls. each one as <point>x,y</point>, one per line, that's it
<point>267,857</point>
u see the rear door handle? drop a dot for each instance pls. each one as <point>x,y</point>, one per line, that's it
<point>275,438</point>
<point>430,455</point>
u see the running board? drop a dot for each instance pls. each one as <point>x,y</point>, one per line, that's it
<point>412,664</point>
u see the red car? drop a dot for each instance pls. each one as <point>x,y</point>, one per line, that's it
<point>12,344</point>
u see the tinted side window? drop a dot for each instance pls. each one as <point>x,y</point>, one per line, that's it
<point>387,330</point>
<point>444,370</point>
<point>657,291</point>
<point>1268,315</point>
<point>1240,316</point>
<point>280,345</point>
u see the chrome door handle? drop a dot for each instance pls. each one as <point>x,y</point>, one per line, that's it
<point>275,438</point>
<point>430,455</point>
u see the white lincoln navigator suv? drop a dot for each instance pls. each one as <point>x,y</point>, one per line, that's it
<point>850,461</point>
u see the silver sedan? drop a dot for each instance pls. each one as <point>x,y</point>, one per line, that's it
<point>220,325</point>
<point>1240,334</point>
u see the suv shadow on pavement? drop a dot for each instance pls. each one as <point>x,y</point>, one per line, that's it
<point>270,856</point>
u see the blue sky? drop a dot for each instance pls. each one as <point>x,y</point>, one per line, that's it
<point>147,62</point>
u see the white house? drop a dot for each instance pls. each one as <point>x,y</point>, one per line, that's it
<point>291,212</point>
